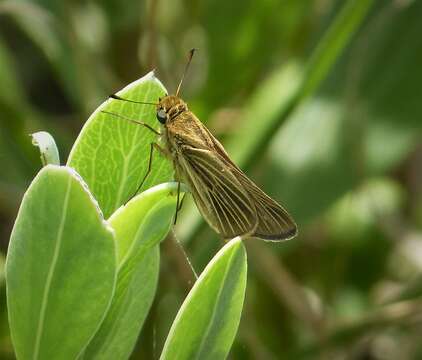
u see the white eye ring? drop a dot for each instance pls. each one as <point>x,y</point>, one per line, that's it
<point>161,116</point>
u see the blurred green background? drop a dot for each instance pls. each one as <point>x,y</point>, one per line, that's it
<point>318,100</point>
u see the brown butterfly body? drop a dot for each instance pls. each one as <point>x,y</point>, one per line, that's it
<point>228,200</point>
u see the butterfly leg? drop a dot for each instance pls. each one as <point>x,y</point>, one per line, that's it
<point>151,151</point>
<point>181,202</point>
<point>177,202</point>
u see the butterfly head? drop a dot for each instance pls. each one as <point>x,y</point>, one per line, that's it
<point>169,107</point>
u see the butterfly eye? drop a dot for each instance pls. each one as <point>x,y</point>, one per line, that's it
<point>161,116</point>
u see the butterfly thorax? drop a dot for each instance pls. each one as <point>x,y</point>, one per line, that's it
<point>182,127</point>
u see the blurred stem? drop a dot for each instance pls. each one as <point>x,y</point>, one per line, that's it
<point>82,69</point>
<point>356,117</point>
<point>285,287</point>
<point>152,34</point>
<point>402,313</point>
<point>251,338</point>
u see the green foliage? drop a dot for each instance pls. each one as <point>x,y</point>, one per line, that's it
<point>60,244</point>
<point>318,101</point>
<point>207,321</point>
<point>139,227</point>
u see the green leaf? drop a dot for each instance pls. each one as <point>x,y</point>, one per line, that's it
<point>60,268</point>
<point>112,154</point>
<point>47,146</point>
<point>206,324</point>
<point>118,333</point>
<point>132,221</point>
<point>139,227</point>
<point>330,47</point>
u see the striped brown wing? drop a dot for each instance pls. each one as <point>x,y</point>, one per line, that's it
<point>219,195</point>
<point>274,222</point>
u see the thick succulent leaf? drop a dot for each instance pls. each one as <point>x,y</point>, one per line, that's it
<point>139,227</point>
<point>112,153</point>
<point>206,323</point>
<point>133,298</point>
<point>60,269</point>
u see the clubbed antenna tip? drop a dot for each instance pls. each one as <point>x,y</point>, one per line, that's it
<point>191,52</point>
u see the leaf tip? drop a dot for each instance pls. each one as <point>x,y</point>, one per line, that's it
<point>235,242</point>
<point>47,146</point>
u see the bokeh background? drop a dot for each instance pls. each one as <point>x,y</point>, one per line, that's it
<point>320,101</point>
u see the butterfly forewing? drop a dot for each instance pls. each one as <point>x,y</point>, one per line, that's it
<point>220,197</point>
<point>274,222</point>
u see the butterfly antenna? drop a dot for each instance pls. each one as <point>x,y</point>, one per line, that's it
<point>191,52</point>
<point>114,96</point>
